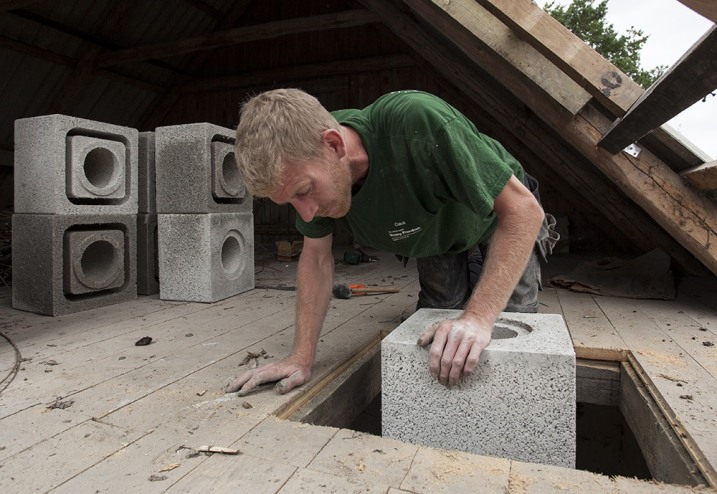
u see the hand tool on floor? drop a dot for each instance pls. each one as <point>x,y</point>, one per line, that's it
<point>344,291</point>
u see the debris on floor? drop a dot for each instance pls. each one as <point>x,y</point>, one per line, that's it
<point>144,341</point>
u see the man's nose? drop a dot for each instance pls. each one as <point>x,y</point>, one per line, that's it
<point>306,209</point>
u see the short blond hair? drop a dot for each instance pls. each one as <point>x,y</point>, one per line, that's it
<point>276,127</point>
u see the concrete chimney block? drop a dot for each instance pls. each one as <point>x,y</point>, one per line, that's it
<point>197,171</point>
<point>74,166</point>
<point>205,257</point>
<point>70,263</point>
<point>519,403</point>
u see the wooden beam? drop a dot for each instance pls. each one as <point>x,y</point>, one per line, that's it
<point>690,218</point>
<point>314,71</point>
<point>6,5</point>
<point>52,57</point>
<point>85,70</point>
<point>239,35</point>
<point>707,8</point>
<point>664,453</point>
<point>693,77</point>
<point>703,177</point>
<point>605,82</point>
<point>470,80</point>
<point>484,39</point>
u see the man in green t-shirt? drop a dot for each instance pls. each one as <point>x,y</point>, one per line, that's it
<point>411,175</point>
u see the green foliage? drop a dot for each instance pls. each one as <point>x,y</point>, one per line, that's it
<point>588,22</point>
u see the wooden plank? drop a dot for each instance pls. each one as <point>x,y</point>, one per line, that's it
<point>707,8</point>
<point>664,454</point>
<point>685,392</point>
<point>691,78</point>
<point>39,467</point>
<point>343,394</point>
<point>594,337</point>
<point>597,382</point>
<point>218,39</point>
<point>703,177</point>
<point>484,39</point>
<point>675,318</point>
<point>605,82</point>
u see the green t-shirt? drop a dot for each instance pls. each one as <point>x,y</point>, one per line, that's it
<point>432,178</point>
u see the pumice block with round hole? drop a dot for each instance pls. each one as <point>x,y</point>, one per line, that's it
<point>205,257</point>
<point>69,165</point>
<point>70,263</point>
<point>520,402</point>
<point>196,171</point>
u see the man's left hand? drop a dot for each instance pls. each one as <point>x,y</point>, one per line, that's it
<point>456,348</point>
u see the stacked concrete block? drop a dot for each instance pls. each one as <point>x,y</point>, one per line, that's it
<point>74,227</point>
<point>147,234</point>
<point>519,403</point>
<point>205,218</point>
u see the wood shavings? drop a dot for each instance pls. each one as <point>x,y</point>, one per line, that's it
<point>171,467</point>
<point>218,449</point>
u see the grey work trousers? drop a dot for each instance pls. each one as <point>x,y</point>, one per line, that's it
<point>447,281</point>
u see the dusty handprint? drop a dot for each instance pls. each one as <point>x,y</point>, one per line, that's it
<point>456,345</point>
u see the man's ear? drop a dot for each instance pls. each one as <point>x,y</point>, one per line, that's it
<point>336,142</point>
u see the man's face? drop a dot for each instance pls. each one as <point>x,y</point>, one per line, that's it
<point>320,187</point>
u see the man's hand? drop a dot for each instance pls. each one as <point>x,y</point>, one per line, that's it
<point>289,372</point>
<point>456,348</point>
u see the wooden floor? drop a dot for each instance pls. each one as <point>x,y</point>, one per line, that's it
<point>83,409</point>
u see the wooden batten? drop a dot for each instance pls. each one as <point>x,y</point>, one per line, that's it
<point>464,22</point>
<point>606,83</point>
<point>703,177</point>
<point>693,77</point>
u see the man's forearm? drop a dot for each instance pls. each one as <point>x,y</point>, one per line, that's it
<point>508,254</point>
<point>314,278</point>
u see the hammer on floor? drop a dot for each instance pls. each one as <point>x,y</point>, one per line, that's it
<point>342,290</point>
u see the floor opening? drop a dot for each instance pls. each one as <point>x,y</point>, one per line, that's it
<point>605,443</point>
<point>617,425</point>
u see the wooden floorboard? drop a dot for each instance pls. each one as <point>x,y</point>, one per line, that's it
<point>133,415</point>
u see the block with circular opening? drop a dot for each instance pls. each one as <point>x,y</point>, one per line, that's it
<point>196,171</point>
<point>69,263</point>
<point>518,404</point>
<point>69,165</point>
<point>205,257</point>
<point>95,168</point>
<point>227,183</point>
<point>94,261</point>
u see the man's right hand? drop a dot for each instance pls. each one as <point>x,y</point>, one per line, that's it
<point>289,372</point>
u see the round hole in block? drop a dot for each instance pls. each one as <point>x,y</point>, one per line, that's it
<point>101,168</point>
<point>233,258</point>
<point>99,265</point>
<point>230,175</point>
<point>505,329</point>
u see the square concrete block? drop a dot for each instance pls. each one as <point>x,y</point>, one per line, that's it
<point>69,165</point>
<point>519,403</point>
<point>197,171</point>
<point>205,257</point>
<point>146,174</point>
<point>147,257</point>
<point>69,263</point>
